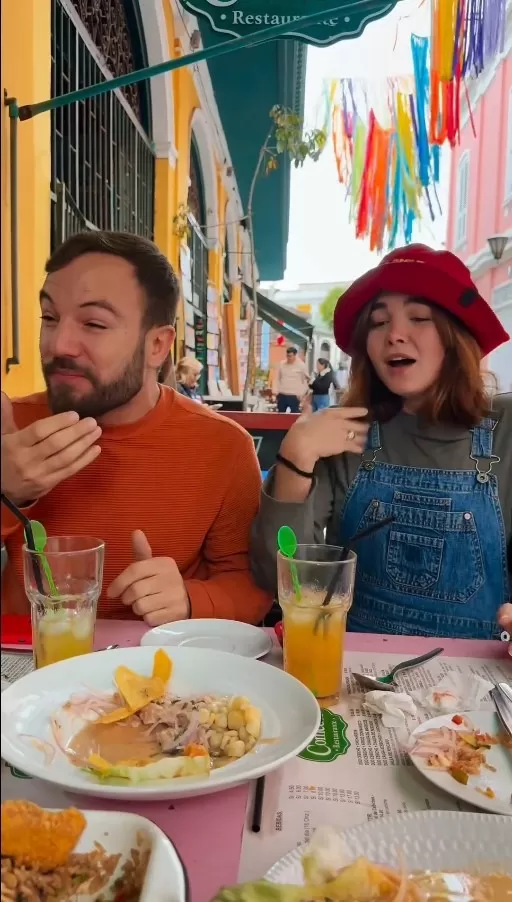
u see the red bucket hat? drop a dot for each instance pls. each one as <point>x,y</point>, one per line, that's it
<point>419,271</point>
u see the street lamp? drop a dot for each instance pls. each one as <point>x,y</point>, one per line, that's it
<point>497,245</point>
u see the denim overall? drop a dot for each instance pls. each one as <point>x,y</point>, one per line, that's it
<point>440,569</point>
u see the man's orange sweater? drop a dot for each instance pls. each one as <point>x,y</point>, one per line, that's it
<point>185,475</point>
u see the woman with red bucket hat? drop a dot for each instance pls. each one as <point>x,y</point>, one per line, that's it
<point>419,439</point>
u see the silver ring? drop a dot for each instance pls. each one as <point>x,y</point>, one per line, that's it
<point>351,435</point>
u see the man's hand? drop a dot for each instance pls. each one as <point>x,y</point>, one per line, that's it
<point>39,457</point>
<point>505,621</point>
<point>151,586</point>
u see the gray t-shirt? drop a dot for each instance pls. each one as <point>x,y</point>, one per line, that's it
<point>406,441</point>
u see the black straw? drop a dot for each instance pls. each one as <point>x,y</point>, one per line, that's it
<point>29,535</point>
<point>345,550</point>
<point>257,811</point>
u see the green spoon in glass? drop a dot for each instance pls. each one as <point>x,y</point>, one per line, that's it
<point>287,544</point>
<point>40,539</point>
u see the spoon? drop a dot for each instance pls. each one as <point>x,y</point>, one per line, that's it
<point>387,682</point>
<point>40,539</point>
<point>287,544</point>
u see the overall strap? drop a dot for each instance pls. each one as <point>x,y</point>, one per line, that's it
<point>373,446</point>
<point>481,448</point>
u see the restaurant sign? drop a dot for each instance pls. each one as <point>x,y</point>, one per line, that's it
<point>242,18</point>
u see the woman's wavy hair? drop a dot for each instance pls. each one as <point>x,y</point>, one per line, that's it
<point>459,396</point>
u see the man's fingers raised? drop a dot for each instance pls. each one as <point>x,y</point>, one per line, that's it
<point>8,424</point>
<point>42,429</point>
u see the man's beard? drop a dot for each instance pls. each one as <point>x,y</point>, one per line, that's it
<point>103,397</point>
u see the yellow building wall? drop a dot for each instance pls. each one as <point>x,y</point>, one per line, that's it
<point>25,75</point>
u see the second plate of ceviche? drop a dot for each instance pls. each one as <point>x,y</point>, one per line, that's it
<point>467,755</point>
<point>142,724</point>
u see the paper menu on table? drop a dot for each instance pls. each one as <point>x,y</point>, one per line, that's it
<point>356,770</point>
<point>16,665</point>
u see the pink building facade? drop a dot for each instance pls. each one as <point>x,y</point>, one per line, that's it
<point>480,202</point>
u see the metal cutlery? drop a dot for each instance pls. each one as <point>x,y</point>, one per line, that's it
<point>387,682</point>
<point>503,708</point>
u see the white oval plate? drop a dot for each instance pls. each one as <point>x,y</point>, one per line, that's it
<point>497,756</point>
<point>120,832</point>
<point>220,635</point>
<point>425,840</point>
<point>290,715</point>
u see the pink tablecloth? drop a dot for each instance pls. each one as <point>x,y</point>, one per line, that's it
<point>208,831</point>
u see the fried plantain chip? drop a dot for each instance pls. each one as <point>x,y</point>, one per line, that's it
<point>35,837</point>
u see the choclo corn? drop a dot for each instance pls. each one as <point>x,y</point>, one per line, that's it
<point>233,726</point>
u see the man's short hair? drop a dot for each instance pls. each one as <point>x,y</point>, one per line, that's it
<point>152,268</point>
<point>291,351</point>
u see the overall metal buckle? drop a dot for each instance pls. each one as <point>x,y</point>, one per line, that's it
<point>368,463</point>
<point>483,475</point>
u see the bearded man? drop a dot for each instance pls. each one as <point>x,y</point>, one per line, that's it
<point>107,451</point>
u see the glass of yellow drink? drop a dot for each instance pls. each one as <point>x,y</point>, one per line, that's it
<point>314,634</point>
<point>63,585</point>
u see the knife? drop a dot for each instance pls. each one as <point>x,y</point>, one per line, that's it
<point>503,709</point>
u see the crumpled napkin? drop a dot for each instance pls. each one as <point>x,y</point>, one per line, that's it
<point>455,693</point>
<point>393,706</point>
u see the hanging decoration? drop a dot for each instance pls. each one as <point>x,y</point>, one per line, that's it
<point>466,36</point>
<point>387,137</point>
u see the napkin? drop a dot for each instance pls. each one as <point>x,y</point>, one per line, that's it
<point>393,706</point>
<point>454,693</point>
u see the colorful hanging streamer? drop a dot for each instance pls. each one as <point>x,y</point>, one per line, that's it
<point>466,36</point>
<point>387,138</point>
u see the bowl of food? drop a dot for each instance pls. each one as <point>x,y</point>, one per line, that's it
<point>86,856</point>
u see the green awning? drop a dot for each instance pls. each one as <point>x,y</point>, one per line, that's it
<point>294,328</point>
<point>247,84</point>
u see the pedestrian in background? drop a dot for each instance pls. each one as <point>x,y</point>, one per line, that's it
<point>321,385</point>
<point>292,382</point>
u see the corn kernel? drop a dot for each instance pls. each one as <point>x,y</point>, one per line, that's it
<point>235,748</point>
<point>235,720</point>
<point>221,721</point>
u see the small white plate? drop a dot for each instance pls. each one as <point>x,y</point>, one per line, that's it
<point>497,756</point>
<point>220,635</point>
<point>120,832</point>
<point>290,717</point>
<point>425,840</point>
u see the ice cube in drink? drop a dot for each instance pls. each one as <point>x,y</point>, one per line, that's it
<point>62,633</point>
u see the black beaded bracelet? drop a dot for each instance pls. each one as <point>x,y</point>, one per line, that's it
<point>291,466</point>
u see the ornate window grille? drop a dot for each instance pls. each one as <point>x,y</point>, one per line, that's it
<point>102,159</point>
<point>198,259</point>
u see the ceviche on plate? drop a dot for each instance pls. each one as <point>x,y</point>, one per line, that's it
<point>331,874</point>
<point>134,724</point>
<point>469,755</point>
<point>142,731</point>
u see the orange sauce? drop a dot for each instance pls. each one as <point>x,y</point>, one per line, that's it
<point>126,741</point>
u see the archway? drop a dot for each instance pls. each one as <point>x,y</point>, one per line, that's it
<point>206,157</point>
<point>162,101</point>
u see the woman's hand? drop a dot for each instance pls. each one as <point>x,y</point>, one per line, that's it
<point>324,434</point>
<point>329,432</point>
<point>505,621</point>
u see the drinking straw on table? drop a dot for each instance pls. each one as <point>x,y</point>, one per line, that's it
<point>257,810</point>
<point>29,535</point>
